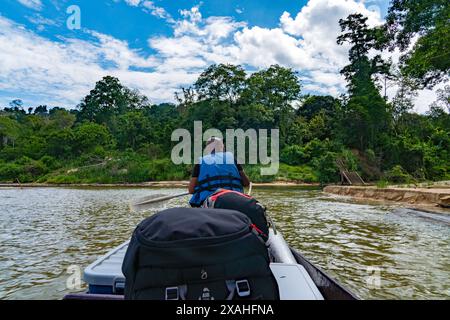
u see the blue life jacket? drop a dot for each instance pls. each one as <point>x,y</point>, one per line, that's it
<point>217,171</point>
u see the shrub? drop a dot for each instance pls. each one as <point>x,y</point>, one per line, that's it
<point>398,175</point>
<point>297,173</point>
<point>294,155</point>
<point>9,171</point>
<point>50,162</point>
<point>382,184</point>
<point>326,168</point>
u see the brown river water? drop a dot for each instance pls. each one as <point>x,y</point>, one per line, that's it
<point>376,251</point>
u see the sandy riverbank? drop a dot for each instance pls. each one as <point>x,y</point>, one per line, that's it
<point>415,197</point>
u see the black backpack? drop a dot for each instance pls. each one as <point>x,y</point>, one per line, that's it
<point>233,200</point>
<point>206,254</point>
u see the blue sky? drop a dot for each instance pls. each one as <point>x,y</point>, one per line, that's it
<point>160,46</point>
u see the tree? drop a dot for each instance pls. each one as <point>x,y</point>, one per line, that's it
<point>428,62</point>
<point>9,131</point>
<point>355,31</point>
<point>404,99</point>
<point>255,115</point>
<point>443,98</point>
<point>133,129</point>
<point>16,109</point>
<point>165,118</point>
<point>276,88</point>
<point>366,115</point>
<point>213,114</point>
<point>221,82</point>
<point>41,110</point>
<point>315,104</point>
<point>108,99</point>
<point>61,143</point>
<point>16,104</point>
<point>89,135</point>
<point>61,118</point>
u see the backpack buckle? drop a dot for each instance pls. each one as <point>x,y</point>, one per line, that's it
<point>172,293</point>
<point>243,288</point>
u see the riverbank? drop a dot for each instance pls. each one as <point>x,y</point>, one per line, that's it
<point>416,197</point>
<point>150,184</point>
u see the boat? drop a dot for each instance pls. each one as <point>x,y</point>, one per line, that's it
<point>296,276</point>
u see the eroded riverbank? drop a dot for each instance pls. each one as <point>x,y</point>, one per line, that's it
<point>433,199</point>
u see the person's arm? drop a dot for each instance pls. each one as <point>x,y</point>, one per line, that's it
<point>194,178</point>
<point>192,185</point>
<point>244,178</point>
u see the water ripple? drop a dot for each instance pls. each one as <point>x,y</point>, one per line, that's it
<point>43,231</point>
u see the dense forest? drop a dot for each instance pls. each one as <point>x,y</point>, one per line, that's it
<point>116,135</point>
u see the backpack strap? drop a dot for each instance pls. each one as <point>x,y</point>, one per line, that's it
<point>176,293</point>
<point>221,192</point>
<point>239,287</point>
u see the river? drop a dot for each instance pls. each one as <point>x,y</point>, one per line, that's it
<point>377,251</point>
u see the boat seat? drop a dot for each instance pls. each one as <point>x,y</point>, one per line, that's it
<point>294,282</point>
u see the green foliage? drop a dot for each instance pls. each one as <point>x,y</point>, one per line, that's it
<point>428,62</point>
<point>326,167</point>
<point>382,184</point>
<point>89,135</point>
<point>398,175</point>
<point>301,173</point>
<point>23,170</point>
<point>108,99</point>
<point>254,174</point>
<point>10,171</point>
<point>221,82</point>
<point>294,155</point>
<point>366,115</point>
<point>116,136</point>
<point>274,88</point>
<point>314,105</point>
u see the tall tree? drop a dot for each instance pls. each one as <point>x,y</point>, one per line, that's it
<point>221,82</point>
<point>366,112</point>
<point>108,99</point>
<point>275,88</point>
<point>428,62</point>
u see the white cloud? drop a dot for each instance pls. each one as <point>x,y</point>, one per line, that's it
<point>42,22</point>
<point>306,42</point>
<point>150,7</point>
<point>32,4</point>
<point>261,47</point>
<point>159,12</point>
<point>120,54</point>
<point>65,71</point>
<point>198,42</point>
<point>133,3</point>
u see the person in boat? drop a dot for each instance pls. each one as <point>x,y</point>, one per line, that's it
<point>216,170</point>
